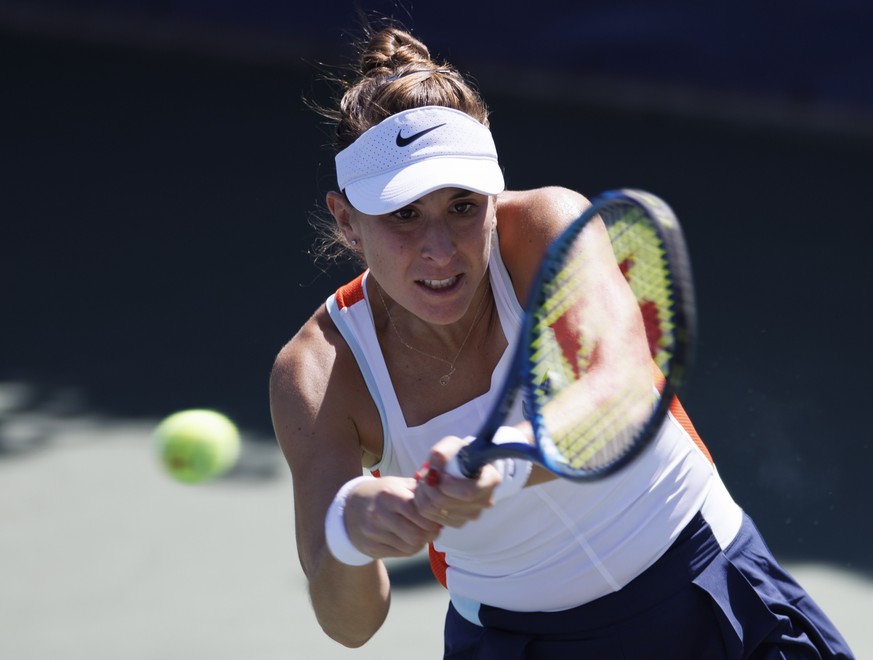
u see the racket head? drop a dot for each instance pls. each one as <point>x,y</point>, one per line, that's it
<point>650,251</point>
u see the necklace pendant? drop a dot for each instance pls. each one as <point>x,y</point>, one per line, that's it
<point>444,379</point>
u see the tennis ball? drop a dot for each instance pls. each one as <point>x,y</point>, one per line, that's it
<point>197,445</point>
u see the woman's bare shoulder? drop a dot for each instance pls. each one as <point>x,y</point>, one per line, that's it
<point>542,208</point>
<point>309,356</point>
<point>314,378</point>
<point>527,221</point>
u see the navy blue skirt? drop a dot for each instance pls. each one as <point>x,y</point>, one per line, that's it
<point>695,602</point>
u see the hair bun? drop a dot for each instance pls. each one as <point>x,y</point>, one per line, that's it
<point>391,49</point>
<point>378,86</point>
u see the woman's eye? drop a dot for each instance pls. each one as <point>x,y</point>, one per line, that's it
<point>464,207</point>
<point>404,214</point>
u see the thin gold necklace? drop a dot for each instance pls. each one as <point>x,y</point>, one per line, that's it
<point>445,378</point>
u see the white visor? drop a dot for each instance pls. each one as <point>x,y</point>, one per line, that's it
<point>415,152</point>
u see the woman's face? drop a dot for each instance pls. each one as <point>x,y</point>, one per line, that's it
<point>431,255</point>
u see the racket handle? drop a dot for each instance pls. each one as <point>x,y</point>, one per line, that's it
<point>432,476</point>
<point>513,473</point>
<point>456,469</point>
<point>460,466</point>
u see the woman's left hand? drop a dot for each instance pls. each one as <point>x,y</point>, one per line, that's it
<point>449,500</point>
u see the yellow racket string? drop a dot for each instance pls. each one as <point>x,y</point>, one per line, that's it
<point>601,439</point>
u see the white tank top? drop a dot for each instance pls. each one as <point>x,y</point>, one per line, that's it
<point>556,545</point>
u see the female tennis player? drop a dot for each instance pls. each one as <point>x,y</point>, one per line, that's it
<point>656,561</point>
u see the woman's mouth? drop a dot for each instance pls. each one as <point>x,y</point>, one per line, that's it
<point>438,285</point>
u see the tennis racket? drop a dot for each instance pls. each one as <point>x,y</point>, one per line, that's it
<point>554,357</point>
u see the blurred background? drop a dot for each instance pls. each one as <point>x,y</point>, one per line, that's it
<point>159,170</point>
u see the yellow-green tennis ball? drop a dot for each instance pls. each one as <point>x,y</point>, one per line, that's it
<point>197,445</point>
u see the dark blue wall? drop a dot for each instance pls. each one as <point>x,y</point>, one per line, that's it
<point>802,50</point>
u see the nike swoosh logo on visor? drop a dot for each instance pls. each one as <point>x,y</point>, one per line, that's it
<point>406,141</point>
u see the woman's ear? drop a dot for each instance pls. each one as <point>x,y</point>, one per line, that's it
<point>341,210</point>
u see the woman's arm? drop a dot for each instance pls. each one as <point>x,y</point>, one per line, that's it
<point>316,399</point>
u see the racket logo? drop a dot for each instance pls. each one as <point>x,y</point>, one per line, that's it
<point>406,141</point>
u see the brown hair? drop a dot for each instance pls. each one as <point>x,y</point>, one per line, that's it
<point>394,72</point>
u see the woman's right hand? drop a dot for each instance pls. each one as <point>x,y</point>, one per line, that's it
<point>382,519</point>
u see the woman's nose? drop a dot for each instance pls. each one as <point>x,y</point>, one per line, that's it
<point>439,244</point>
